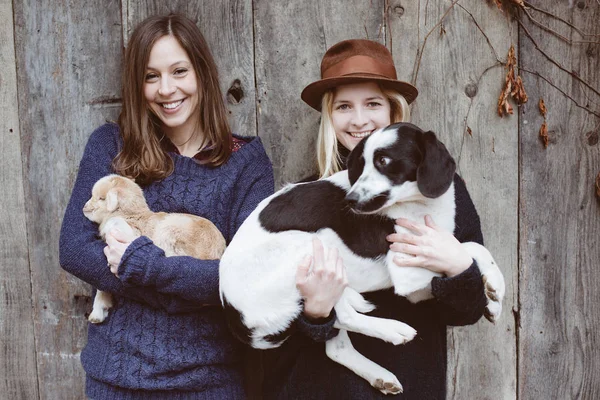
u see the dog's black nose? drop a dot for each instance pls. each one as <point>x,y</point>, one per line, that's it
<point>352,199</point>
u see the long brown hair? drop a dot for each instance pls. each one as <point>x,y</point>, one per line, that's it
<point>142,157</point>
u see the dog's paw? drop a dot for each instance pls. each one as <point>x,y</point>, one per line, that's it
<point>396,332</point>
<point>494,291</point>
<point>388,385</point>
<point>98,315</point>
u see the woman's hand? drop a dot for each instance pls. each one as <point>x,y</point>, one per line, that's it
<point>322,286</point>
<point>116,244</point>
<point>431,248</point>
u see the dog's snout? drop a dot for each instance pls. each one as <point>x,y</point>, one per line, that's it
<point>352,199</point>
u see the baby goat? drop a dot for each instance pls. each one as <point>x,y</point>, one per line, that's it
<point>118,202</point>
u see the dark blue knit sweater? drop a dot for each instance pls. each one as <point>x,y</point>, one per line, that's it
<point>166,336</point>
<point>300,369</point>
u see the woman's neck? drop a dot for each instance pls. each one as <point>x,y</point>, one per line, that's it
<point>187,141</point>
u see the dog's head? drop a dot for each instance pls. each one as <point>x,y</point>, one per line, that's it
<point>398,163</point>
<point>112,193</point>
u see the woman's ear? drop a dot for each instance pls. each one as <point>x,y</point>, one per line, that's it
<point>436,172</point>
<point>356,162</point>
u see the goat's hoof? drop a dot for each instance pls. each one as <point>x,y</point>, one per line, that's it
<point>98,316</point>
<point>384,387</point>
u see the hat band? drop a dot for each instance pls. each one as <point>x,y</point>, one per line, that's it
<point>360,65</point>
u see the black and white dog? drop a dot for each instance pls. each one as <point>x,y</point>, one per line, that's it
<point>398,171</point>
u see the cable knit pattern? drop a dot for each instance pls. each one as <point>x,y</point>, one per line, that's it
<point>300,369</point>
<point>166,336</point>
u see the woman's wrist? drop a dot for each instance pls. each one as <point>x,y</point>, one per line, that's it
<point>459,267</point>
<point>314,311</point>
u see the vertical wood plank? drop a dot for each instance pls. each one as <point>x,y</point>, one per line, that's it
<point>227,27</point>
<point>459,79</point>
<point>17,354</point>
<point>68,63</point>
<point>560,215</point>
<point>291,38</point>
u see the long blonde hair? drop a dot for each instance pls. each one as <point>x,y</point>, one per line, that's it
<point>328,156</point>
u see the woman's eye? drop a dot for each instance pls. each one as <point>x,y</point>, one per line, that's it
<point>373,104</point>
<point>343,107</point>
<point>151,77</point>
<point>180,71</point>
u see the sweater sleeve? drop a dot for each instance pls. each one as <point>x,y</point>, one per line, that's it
<point>197,281</point>
<point>186,284</point>
<point>461,299</point>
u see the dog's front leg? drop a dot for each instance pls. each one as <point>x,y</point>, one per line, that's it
<point>102,303</point>
<point>341,350</point>
<point>492,279</point>
<point>348,318</point>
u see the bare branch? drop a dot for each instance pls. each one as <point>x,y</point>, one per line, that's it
<point>596,113</point>
<point>529,5</point>
<point>554,61</point>
<point>558,35</point>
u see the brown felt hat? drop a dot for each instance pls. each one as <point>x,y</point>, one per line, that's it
<point>352,61</point>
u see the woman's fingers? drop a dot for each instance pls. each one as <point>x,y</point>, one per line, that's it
<point>318,255</point>
<point>303,268</point>
<point>407,249</point>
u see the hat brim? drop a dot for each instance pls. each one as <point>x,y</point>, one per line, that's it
<point>313,93</point>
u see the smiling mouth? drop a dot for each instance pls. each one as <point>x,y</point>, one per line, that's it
<point>360,135</point>
<point>172,105</point>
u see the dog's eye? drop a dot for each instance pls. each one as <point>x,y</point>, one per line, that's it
<point>383,161</point>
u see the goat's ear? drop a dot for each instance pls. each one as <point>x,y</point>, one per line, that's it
<point>436,172</point>
<point>112,200</point>
<point>356,162</point>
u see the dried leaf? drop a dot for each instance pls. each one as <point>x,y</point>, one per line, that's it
<point>469,131</point>
<point>544,134</point>
<point>598,186</point>
<point>518,93</point>
<point>542,107</point>
<point>499,4</point>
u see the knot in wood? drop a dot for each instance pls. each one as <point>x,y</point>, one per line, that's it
<point>399,11</point>
<point>592,138</point>
<point>235,94</point>
<point>471,90</point>
<point>581,5</point>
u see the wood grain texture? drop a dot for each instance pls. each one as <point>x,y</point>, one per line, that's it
<point>291,38</point>
<point>17,353</point>
<point>227,27</point>
<point>560,214</point>
<point>459,80</point>
<point>68,63</point>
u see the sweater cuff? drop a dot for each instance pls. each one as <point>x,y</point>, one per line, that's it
<point>320,330</point>
<point>133,269</point>
<point>458,287</point>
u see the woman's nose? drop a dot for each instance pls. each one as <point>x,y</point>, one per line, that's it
<point>359,118</point>
<point>167,87</point>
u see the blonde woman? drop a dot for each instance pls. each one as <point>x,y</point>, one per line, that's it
<point>358,93</point>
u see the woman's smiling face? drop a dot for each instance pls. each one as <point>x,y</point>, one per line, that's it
<point>171,87</point>
<point>358,110</point>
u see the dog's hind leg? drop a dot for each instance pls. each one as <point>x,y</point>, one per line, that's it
<point>493,279</point>
<point>348,318</point>
<point>341,350</point>
<point>102,303</point>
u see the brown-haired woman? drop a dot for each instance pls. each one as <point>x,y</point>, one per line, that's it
<point>165,337</point>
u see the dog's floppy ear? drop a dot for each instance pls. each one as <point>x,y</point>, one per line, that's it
<point>436,172</point>
<point>356,162</point>
<point>112,200</point>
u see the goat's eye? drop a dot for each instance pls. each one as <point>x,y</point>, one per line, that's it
<point>383,161</point>
<point>101,199</point>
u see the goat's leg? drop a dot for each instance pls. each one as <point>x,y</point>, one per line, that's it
<point>340,350</point>
<point>102,303</point>
<point>492,279</point>
<point>348,318</point>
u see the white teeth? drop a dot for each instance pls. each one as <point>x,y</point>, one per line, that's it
<point>170,106</point>
<point>359,135</point>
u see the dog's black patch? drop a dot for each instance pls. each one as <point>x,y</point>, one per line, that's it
<point>236,326</point>
<point>317,205</point>
<point>280,337</point>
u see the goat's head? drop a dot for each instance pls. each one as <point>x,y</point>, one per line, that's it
<point>112,193</point>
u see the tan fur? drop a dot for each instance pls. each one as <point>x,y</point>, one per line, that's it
<point>177,234</point>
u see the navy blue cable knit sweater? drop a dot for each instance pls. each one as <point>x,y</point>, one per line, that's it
<point>166,336</point>
<point>300,369</point>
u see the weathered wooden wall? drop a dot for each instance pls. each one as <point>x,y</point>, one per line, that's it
<point>60,77</point>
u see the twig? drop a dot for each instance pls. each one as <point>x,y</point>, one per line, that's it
<point>416,72</point>
<point>482,32</point>
<point>529,5</point>
<point>597,114</point>
<point>555,62</point>
<point>552,31</point>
